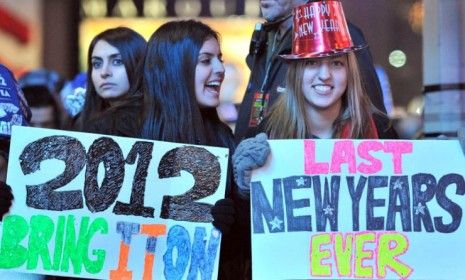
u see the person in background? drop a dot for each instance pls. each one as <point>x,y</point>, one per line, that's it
<point>14,110</point>
<point>267,70</point>
<point>73,94</point>
<point>113,100</point>
<point>41,88</point>
<point>183,73</point>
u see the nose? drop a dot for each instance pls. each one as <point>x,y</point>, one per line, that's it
<point>324,71</point>
<point>218,67</point>
<point>106,70</point>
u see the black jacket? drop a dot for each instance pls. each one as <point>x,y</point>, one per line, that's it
<point>256,61</point>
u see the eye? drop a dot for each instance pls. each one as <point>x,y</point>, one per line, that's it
<point>118,62</point>
<point>205,61</point>
<point>96,64</point>
<point>337,62</point>
<point>311,62</point>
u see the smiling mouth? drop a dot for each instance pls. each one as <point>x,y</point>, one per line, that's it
<point>213,85</point>
<point>322,89</point>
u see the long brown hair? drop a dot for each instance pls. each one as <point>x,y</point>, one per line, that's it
<point>173,113</point>
<point>132,47</point>
<point>287,118</point>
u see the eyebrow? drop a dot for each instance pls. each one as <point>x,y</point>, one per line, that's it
<point>338,56</point>
<point>210,54</point>
<point>110,56</point>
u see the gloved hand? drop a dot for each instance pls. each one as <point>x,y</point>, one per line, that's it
<point>461,137</point>
<point>6,198</point>
<point>250,154</point>
<point>224,214</point>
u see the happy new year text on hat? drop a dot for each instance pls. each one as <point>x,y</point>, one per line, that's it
<point>320,30</point>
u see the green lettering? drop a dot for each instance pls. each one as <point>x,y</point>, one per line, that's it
<point>42,228</point>
<point>71,251</point>
<point>360,255</point>
<point>94,266</point>
<point>387,254</point>
<point>15,229</point>
<point>317,254</point>
<point>343,252</point>
<point>59,236</point>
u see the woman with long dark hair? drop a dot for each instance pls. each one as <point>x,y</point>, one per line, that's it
<point>183,83</point>
<point>114,101</point>
<point>183,73</point>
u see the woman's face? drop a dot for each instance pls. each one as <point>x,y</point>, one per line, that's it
<point>325,81</point>
<point>209,74</point>
<point>108,71</point>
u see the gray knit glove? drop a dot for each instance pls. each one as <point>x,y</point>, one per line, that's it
<point>250,154</point>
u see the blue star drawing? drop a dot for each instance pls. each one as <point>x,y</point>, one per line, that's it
<point>276,223</point>
<point>300,181</point>
<point>328,210</point>
<point>419,209</point>
<point>398,185</point>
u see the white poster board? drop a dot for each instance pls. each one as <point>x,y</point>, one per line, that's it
<point>96,206</point>
<point>352,209</point>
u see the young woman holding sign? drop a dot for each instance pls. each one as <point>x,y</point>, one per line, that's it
<point>183,74</point>
<point>325,95</point>
<point>114,102</point>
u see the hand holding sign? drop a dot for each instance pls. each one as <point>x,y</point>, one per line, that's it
<point>223,213</point>
<point>249,155</point>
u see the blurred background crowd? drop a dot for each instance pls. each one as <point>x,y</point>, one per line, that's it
<point>44,42</point>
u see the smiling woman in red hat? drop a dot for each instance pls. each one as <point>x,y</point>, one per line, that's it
<point>325,95</point>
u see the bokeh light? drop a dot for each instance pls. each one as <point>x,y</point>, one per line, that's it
<point>397,58</point>
<point>188,8</point>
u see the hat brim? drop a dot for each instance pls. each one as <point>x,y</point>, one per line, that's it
<point>322,54</point>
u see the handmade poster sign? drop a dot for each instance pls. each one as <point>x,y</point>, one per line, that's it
<point>372,209</point>
<point>96,206</point>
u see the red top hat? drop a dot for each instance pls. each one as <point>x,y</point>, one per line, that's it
<point>320,30</point>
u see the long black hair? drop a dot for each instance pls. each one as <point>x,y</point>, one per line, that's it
<point>173,113</point>
<point>131,46</point>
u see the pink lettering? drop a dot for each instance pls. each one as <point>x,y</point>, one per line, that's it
<point>311,166</point>
<point>364,150</point>
<point>397,149</point>
<point>344,153</point>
